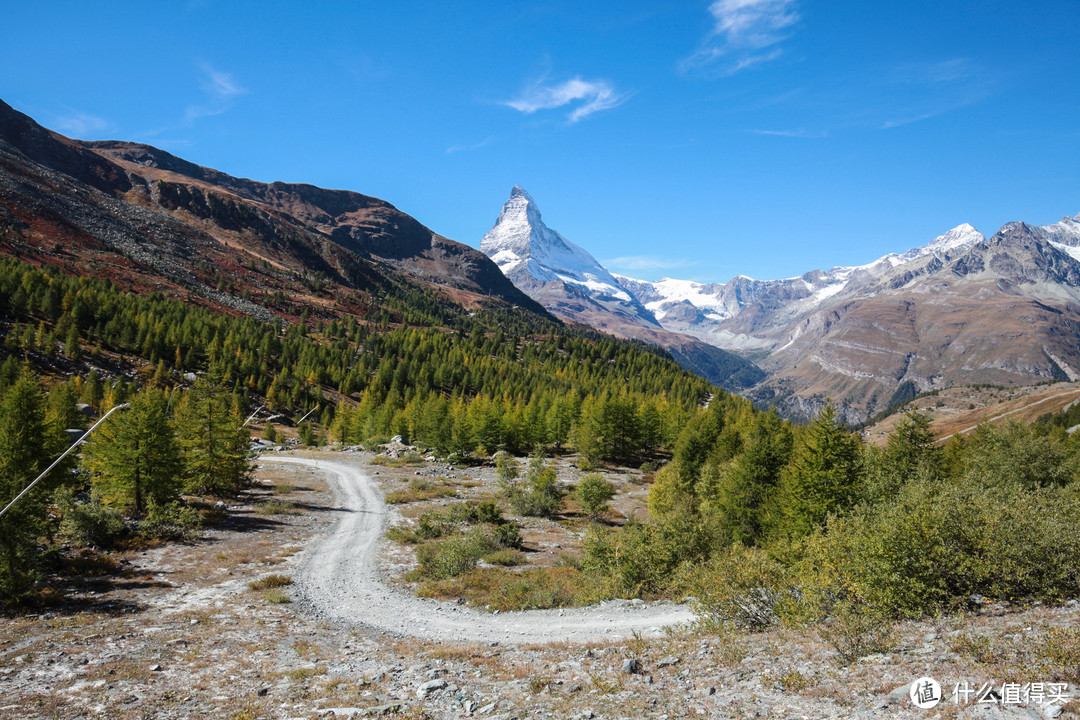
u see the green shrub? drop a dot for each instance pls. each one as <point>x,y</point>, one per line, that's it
<point>540,495</point>
<point>593,493</point>
<point>937,543</point>
<point>643,559</point>
<point>174,521</point>
<point>507,535</point>
<point>275,507</point>
<point>743,588</point>
<point>90,523</point>
<point>856,630</point>
<point>505,557</point>
<point>489,512</point>
<point>454,555</point>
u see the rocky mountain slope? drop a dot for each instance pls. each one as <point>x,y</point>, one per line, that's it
<point>960,310</point>
<point>157,222</point>
<point>573,285</point>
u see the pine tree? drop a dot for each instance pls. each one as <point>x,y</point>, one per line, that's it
<point>912,447</point>
<point>213,442</point>
<point>823,476</point>
<point>135,457</point>
<point>744,493</point>
<point>25,451</point>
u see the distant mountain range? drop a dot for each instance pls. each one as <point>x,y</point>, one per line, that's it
<point>962,309</point>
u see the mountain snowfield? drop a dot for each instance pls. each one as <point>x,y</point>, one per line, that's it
<point>960,309</point>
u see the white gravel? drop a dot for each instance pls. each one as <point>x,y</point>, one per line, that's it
<point>339,580</point>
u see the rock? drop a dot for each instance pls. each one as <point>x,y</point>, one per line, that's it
<point>156,668</point>
<point>899,696</point>
<point>429,687</point>
<point>487,709</point>
<point>382,710</point>
<point>668,661</point>
<point>631,666</point>
<point>263,692</point>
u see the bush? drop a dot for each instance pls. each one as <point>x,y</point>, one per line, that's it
<point>593,493</point>
<point>453,556</point>
<point>505,557</point>
<point>856,630</point>
<point>936,544</point>
<point>542,493</point>
<point>489,512</point>
<point>507,535</point>
<point>741,588</point>
<point>90,524</point>
<point>174,521</point>
<point>275,507</point>
<point>643,559</point>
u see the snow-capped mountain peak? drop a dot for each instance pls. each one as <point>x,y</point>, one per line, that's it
<point>959,238</point>
<point>521,242</point>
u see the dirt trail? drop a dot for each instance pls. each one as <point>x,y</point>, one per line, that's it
<point>339,580</point>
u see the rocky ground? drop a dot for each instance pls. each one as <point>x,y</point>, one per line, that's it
<point>177,631</point>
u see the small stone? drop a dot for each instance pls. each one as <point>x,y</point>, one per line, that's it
<point>669,661</point>
<point>263,692</point>
<point>429,687</point>
<point>631,666</point>
<point>487,709</point>
<point>156,668</point>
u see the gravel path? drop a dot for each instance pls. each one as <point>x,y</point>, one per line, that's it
<point>339,580</point>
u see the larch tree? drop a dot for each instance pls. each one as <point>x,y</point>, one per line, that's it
<point>135,457</point>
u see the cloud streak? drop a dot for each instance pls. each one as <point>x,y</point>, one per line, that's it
<point>78,124</point>
<point>645,262</point>
<point>221,89</point>
<point>744,35</point>
<point>587,97</point>
<point>468,148</point>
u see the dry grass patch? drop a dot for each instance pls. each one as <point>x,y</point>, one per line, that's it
<point>1052,654</point>
<point>420,490</point>
<point>275,507</point>
<point>503,590</point>
<point>269,582</point>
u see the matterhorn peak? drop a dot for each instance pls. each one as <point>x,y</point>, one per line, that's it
<point>519,192</point>
<point>520,243</point>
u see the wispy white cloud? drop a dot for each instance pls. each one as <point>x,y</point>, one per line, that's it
<point>220,88</point>
<point>588,97</point>
<point>744,34</point>
<point>221,85</point>
<point>468,148</point>
<point>645,262</point>
<point>800,133</point>
<point>78,124</point>
<point>929,89</point>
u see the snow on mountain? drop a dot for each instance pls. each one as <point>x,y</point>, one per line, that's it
<point>956,240</point>
<point>521,242</point>
<point>717,302</point>
<point>1063,235</point>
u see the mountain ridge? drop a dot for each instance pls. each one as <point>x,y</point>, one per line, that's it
<point>139,213</point>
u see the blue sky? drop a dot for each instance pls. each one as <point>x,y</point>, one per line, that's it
<point>688,139</point>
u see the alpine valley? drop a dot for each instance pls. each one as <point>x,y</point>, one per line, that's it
<point>959,310</point>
